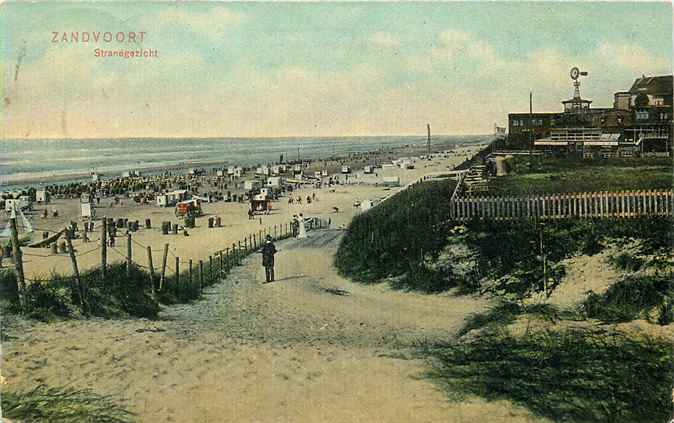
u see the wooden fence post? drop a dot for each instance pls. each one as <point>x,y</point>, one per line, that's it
<point>210,269</point>
<point>163,267</point>
<point>18,262</point>
<point>189,277</point>
<point>76,270</point>
<point>104,247</point>
<point>128,254</point>
<point>177,275</point>
<point>201,275</point>
<point>151,266</point>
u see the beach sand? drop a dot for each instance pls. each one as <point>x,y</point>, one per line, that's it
<point>203,241</point>
<point>311,347</point>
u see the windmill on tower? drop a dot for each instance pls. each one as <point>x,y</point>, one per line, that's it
<point>577,104</point>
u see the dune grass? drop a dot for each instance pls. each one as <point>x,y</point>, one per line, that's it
<point>62,405</point>
<point>574,174</point>
<point>582,376</point>
<point>118,296</point>
<point>634,297</point>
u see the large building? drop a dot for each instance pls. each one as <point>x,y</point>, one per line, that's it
<point>638,124</point>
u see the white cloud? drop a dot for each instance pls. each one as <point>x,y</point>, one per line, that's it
<point>210,24</point>
<point>384,40</point>
<point>459,45</point>
<point>633,58</point>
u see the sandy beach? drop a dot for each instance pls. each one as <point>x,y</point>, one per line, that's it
<point>203,241</point>
<point>292,351</point>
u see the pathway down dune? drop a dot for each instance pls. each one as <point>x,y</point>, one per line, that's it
<point>310,347</point>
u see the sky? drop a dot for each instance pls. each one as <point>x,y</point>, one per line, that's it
<point>316,69</point>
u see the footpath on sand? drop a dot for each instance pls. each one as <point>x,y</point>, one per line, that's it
<point>310,347</point>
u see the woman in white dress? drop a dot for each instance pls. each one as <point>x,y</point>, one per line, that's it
<point>303,230</point>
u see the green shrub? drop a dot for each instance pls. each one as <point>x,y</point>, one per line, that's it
<point>505,312</point>
<point>63,405</point>
<point>575,376</point>
<point>393,238</point>
<point>634,297</point>
<point>627,261</point>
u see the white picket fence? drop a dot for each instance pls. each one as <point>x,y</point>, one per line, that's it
<point>604,204</point>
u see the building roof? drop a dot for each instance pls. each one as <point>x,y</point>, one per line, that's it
<point>577,100</point>
<point>535,115</point>
<point>654,85</point>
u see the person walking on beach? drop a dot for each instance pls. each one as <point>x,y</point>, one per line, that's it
<point>268,250</point>
<point>294,226</point>
<point>302,229</point>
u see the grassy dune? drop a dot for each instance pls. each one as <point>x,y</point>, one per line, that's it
<point>572,174</point>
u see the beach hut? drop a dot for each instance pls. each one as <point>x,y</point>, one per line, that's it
<point>87,211</point>
<point>260,205</point>
<point>85,197</point>
<point>16,204</point>
<point>387,166</point>
<point>176,196</point>
<point>162,200</point>
<point>95,177</point>
<point>317,174</point>
<point>392,181</point>
<point>346,169</point>
<point>324,172</point>
<point>368,169</point>
<point>238,171</point>
<point>251,184</point>
<point>274,182</point>
<point>42,196</point>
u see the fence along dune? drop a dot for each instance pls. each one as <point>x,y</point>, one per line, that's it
<point>604,204</point>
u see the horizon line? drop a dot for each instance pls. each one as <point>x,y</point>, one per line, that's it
<point>238,137</point>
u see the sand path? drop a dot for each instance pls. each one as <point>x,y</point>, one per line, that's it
<point>311,347</point>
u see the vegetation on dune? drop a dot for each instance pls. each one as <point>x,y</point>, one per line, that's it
<point>574,375</point>
<point>117,296</point>
<point>63,405</point>
<point>634,297</point>
<point>578,375</point>
<point>572,174</point>
<point>391,239</point>
<point>411,240</point>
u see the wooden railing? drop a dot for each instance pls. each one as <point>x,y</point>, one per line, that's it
<point>619,204</point>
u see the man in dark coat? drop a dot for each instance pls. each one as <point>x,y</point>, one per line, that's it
<point>268,251</point>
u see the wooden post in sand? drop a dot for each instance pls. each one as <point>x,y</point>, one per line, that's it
<point>210,269</point>
<point>163,267</point>
<point>128,255</point>
<point>76,270</point>
<point>201,275</point>
<point>104,247</point>
<point>149,261</point>
<point>275,232</point>
<point>177,275</point>
<point>18,261</point>
<point>189,280</point>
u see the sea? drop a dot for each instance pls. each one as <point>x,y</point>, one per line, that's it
<point>39,162</point>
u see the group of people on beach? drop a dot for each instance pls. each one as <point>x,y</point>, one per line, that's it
<point>298,200</point>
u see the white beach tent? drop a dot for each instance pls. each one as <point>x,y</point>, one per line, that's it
<point>23,224</point>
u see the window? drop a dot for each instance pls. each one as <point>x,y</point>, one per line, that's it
<point>664,116</point>
<point>642,115</point>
